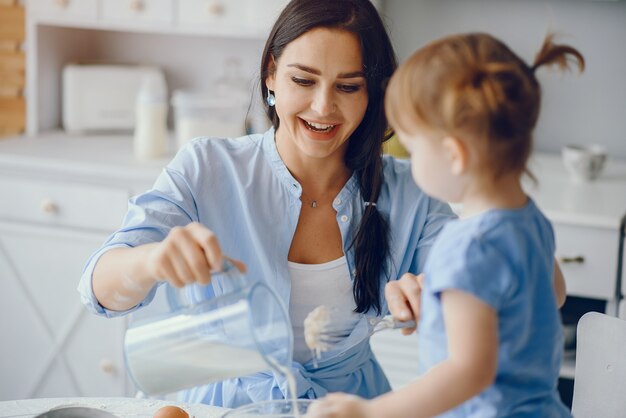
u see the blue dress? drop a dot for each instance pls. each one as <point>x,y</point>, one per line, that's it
<point>505,258</point>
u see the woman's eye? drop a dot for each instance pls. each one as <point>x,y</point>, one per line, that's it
<point>302,81</point>
<point>349,88</point>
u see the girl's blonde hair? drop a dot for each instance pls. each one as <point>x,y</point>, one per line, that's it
<point>474,87</point>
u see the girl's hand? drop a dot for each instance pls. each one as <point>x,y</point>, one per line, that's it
<point>403,298</point>
<point>339,405</point>
<point>187,255</point>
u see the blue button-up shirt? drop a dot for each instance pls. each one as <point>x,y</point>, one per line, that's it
<point>241,190</point>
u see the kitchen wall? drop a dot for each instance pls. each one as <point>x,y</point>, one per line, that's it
<point>590,108</point>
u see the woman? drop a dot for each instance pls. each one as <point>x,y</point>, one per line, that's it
<point>311,206</point>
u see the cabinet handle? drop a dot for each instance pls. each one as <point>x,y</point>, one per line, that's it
<point>137,5</point>
<point>48,206</point>
<point>215,8</point>
<point>108,366</point>
<point>579,259</point>
<point>62,3</point>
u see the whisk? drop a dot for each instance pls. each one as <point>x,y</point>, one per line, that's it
<point>325,327</point>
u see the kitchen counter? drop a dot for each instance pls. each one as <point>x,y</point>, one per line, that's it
<point>82,156</point>
<point>600,203</point>
<point>120,407</point>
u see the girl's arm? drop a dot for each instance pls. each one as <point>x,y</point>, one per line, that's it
<point>472,330</point>
<point>559,285</point>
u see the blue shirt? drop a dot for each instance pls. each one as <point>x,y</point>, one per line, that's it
<point>242,190</point>
<point>505,258</point>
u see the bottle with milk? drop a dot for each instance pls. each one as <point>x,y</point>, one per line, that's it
<point>241,332</point>
<point>151,137</point>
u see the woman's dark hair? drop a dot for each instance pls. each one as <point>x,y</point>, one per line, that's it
<point>364,154</point>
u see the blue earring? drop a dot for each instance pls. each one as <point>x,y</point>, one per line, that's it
<point>271,99</point>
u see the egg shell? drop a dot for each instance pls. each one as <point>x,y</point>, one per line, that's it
<point>170,411</point>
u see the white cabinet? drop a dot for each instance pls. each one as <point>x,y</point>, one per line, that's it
<point>61,198</point>
<point>588,257</point>
<point>51,346</point>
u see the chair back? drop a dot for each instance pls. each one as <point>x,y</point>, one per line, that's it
<point>600,377</point>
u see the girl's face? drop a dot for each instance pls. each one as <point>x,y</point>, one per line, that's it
<point>431,165</point>
<point>321,92</point>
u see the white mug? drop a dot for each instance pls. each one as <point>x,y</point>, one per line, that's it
<point>584,163</point>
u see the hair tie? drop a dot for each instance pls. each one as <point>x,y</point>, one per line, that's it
<point>370,204</point>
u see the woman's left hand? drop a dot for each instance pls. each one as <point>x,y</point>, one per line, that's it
<point>339,405</point>
<point>403,298</point>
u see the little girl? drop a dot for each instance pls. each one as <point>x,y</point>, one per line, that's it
<point>490,340</point>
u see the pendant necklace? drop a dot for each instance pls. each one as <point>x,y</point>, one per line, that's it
<point>312,203</point>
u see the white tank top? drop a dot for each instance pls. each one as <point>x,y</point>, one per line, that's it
<point>313,285</point>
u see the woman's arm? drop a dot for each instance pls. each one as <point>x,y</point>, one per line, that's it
<point>559,285</point>
<point>123,277</point>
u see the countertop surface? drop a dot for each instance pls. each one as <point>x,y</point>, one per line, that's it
<point>600,203</point>
<point>119,407</point>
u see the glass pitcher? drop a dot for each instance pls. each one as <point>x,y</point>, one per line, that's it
<point>243,331</point>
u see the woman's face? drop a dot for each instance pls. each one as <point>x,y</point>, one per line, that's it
<point>321,92</point>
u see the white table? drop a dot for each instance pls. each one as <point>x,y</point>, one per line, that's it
<point>120,407</point>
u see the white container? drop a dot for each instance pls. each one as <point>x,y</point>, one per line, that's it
<point>583,162</point>
<point>151,138</point>
<point>201,114</point>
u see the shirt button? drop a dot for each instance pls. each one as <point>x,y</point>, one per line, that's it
<point>344,218</point>
<point>337,201</point>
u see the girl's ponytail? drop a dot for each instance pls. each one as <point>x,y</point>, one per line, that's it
<point>561,55</point>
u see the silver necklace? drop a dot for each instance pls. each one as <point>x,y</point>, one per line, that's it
<point>312,203</point>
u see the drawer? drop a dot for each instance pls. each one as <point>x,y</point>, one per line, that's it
<point>138,11</point>
<point>588,258</point>
<point>82,206</point>
<point>64,8</point>
<point>217,15</point>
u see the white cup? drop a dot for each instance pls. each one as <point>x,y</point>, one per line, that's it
<point>583,163</point>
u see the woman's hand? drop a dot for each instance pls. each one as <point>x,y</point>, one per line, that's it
<point>339,405</point>
<point>403,298</point>
<point>187,255</point>
<point>123,277</point>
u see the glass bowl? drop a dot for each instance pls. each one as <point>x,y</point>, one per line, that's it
<point>283,408</point>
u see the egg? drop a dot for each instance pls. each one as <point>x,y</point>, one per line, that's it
<point>171,411</point>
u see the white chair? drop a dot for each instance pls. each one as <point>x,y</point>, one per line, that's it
<point>600,377</point>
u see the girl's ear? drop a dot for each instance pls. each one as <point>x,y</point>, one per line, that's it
<point>457,154</point>
<point>271,71</point>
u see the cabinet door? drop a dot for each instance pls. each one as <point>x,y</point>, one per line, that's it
<point>51,345</point>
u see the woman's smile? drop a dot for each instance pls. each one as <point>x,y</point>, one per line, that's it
<point>319,131</point>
